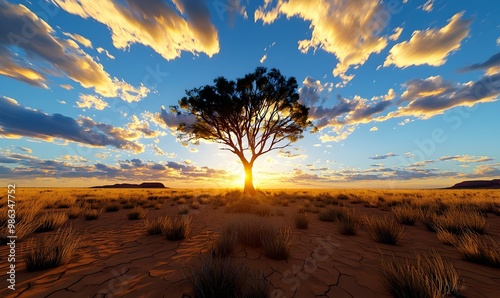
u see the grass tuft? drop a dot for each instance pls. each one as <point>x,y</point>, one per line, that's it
<point>301,221</point>
<point>224,245</point>
<point>477,250</point>
<point>155,226</point>
<point>406,214</point>
<point>177,228</point>
<point>384,230</point>
<point>91,214</point>
<point>430,276</point>
<point>50,221</point>
<point>137,213</point>
<point>277,243</point>
<point>52,251</point>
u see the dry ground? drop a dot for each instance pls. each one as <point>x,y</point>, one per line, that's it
<point>117,258</point>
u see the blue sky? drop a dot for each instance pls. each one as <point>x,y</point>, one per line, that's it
<point>405,93</point>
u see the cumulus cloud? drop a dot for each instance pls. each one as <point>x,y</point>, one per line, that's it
<point>142,126</point>
<point>80,39</point>
<point>101,50</point>
<point>172,120</point>
<point>63,56</point>
<point>66,86</point>
<point>434,95</point>
<point>91,101</point>
<point>384,156</point>
<point>167,29</point>
<point>37,124</point>
<point>491,66</point>
<point>374,128</point>
<point>348,29</point>
<point>431,46</point>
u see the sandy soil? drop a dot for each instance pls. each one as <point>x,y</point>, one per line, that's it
<point>118,259</point>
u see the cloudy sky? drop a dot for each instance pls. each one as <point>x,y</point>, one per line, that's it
<point>404,92</point>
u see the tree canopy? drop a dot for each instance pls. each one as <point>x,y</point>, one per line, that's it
<point>250,116</point>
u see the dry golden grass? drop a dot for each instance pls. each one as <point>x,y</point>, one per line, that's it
<point>301,220</point>
<point>220,278</point>
<point>177,228</point>
<point>430,276</point>
<point>91,214</point>
<point>474,248</point>
<point>51,251</point>
<point>74,212</point>
<point>277,243</point>
<point>137,213</point>
<point>250,228</point>
<point>224,245</point>
<point>349,222</point>
<point>384,229</point>
<point>156,226</point>
<point>406,214</point>
<point>50,221</point>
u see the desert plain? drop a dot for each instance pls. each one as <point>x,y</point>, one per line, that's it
<point>86,242</point>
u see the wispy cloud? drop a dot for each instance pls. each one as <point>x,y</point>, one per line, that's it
<point>384,156</point>
<point>80,39</point>
<point>466,158</point>
<point>491,66</point>
<point>101,50</point>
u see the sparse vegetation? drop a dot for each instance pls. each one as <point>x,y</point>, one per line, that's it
<point>51,251</point>
<point>50,221</point>
<point>484,251</point>
<point>224,245</point>
<point>406,215</point>
<point>137,213</point>
<point>430,276</point>
<point>348,223</point>
<point>277,243</point>
<point>301,221</point>
<point>383,229</point>
<point>156,226</point>
<point>92,214</point>
<point>177,228</point>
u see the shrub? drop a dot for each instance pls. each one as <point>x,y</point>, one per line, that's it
<point>177,228</point>
<point>156,226</point>
<point>406,215</point>
<point>430,276</point>
<point>52,251</point>
<point>128,205</point>
<point>91,214</point>
<point>429,219</point>
<point>384,230</point>
<point>157,206</point>
<point>477,250</point>
<point>50,221</point>
<point>301,221</point>
<point>223,247</point>
<point>277,243</point>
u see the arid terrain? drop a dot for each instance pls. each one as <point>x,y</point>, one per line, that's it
<point>350,243</point>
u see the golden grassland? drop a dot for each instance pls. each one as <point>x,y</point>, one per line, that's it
<point>458,218</point>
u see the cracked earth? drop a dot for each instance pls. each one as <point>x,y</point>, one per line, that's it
<point>118,259</point>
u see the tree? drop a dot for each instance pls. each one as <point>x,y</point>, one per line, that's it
<point>250,116</point>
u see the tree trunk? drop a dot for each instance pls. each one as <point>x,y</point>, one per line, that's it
<point>249,189</point>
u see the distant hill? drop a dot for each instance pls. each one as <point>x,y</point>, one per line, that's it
<point>487,184</point>
<point>129,185</point>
